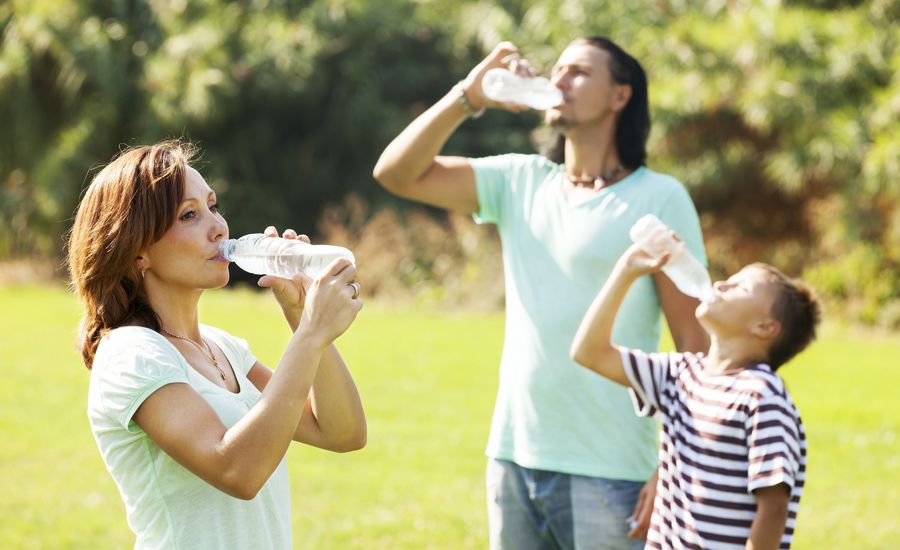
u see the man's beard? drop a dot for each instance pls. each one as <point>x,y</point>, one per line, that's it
<point>559,123</point>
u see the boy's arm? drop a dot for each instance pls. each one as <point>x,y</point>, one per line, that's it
<point>771,517</point>
<point>593,345</point>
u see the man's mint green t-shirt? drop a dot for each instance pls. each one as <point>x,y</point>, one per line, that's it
<point>168,506</point>
<point>551,413</point>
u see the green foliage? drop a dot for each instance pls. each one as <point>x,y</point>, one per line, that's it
<point>428,383</point>
<point>766,110</point>
<point>859,282</point>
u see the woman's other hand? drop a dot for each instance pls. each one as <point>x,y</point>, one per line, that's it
<point>290,293</point>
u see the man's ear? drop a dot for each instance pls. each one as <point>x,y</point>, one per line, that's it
<point>621,95</point>
<point>766,330</point>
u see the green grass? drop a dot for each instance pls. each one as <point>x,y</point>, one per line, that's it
<point>428,381</point>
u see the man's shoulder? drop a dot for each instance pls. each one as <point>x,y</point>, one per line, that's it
<point>517,160</point>
<point>659,180</point>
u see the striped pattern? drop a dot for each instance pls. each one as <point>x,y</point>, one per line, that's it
<point>723,436</point>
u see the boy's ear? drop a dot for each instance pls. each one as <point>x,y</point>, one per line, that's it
<point>766,330</point>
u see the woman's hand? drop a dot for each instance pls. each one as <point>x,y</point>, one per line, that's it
<point>332,302</point>
<point>290,293</point>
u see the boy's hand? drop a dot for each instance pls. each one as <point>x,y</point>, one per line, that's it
<point>635,262</point>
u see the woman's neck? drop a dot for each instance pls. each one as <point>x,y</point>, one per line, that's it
<point>177,311</point>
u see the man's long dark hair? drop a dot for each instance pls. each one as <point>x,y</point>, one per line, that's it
<point>633,126</point>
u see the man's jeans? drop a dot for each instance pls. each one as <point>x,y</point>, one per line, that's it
<point>540,510</point>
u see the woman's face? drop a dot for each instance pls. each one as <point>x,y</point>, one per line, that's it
<point>187,255</point>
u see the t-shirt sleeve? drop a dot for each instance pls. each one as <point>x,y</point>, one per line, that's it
<point>649,373</point>
<point>128,368</point>
<point>680,214</point>
<point>493,177</point>
<point>773,439</point>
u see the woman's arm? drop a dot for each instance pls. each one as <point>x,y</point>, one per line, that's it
<point>333,418</point>
<point>239,460</point>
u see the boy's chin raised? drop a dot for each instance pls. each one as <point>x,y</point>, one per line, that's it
<point>701,311</point>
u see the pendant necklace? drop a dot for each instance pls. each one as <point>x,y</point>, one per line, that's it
<point>211,356</point>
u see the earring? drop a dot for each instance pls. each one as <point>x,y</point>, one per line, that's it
<point>144,270</point>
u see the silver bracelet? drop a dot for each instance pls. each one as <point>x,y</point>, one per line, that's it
<point>464,101</point>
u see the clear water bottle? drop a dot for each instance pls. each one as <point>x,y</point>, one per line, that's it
<point>688,274</point>
<point>504,85</point>
<point>256,253</point>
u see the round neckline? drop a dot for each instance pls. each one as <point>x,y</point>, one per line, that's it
<point>562,178</point>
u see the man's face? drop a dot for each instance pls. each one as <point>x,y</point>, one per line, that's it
<point>589,92</point>
<point>741,304</point>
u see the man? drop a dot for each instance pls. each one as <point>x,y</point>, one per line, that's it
<point>568,459</point>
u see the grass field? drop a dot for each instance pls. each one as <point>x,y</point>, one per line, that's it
<point>428,381</point>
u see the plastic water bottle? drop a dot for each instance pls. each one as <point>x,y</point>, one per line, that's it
<point>537,92</point>
<point>256,253</point>
<point>688,274</point>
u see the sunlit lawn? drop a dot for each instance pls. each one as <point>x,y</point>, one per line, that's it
<point>428,381</point>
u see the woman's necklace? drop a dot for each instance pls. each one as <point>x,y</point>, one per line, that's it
<point>211,356</point>
<point>603,180</point>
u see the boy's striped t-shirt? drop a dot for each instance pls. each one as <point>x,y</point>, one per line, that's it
<point>723,436</point>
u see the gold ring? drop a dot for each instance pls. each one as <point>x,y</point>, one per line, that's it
<point>355,286</point>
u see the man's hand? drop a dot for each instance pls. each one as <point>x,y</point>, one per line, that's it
<point>772,508</point>
<point>640,519</point>
<point>504,55</point>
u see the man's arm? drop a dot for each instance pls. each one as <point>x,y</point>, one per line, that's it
<point>679,309</point>
<point>410,166</point>
<point>593,345</point>
<point>771,517</point>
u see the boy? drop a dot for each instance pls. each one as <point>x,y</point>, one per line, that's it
<point>732,449</point>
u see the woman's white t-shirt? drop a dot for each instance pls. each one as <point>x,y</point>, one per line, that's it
<point>168,506</point>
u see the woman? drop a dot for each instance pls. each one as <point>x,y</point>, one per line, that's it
<point>192,428</point>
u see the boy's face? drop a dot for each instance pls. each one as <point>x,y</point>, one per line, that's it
<point>742,305</point>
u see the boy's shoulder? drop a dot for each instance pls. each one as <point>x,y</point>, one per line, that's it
<point>762,383</point>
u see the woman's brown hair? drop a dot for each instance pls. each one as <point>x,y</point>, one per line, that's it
<point>128,206</point>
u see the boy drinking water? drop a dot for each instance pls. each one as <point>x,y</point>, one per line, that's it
<point>732,449</point>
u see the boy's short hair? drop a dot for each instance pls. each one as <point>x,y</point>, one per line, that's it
<point>798,310</point>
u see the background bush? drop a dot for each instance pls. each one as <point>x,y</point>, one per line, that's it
<point>780,117</point>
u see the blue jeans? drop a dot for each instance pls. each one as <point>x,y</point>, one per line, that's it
<point>540,510</point>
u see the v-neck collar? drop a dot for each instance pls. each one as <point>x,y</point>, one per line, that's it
<point>184,360</point>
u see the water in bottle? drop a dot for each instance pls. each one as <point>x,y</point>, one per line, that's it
<point>504,85</point>
<point>256,253</point>
<point>688,274</point>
